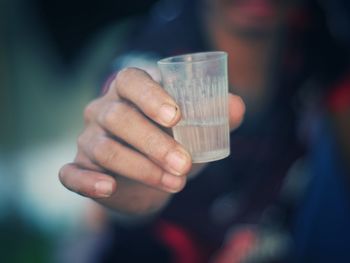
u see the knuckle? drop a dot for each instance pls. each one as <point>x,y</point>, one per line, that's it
<point>152,143</point>
<point>109,157</point>
<point>150,90</point>
<point>126,112</point>
<point>119,113</point>
<point>157,145</point>
<point>63,172</point>
<point>126,75</point>
<point>103,152</point>
<point>110,115</point>
<point>153,94</point>
<point>97,148</point>
<point>89,111</point>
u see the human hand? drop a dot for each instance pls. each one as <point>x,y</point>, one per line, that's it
<point>124,159</point>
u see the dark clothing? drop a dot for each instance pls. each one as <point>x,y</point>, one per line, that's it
<point>233,191</point>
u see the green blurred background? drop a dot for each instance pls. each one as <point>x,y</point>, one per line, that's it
<point>54,55</point>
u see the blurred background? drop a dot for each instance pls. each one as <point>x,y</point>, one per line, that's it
<point>54,57</point>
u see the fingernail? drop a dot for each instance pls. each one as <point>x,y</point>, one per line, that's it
<point>104,188</point>
<point>176,161</point>
<point>167,112</point>
<point>172,182</point>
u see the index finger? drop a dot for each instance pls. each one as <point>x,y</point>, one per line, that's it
<point>138,87</point>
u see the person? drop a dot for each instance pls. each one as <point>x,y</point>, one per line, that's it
<point>128,162</point>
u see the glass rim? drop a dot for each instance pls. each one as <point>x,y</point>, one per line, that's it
<point>216,55</point>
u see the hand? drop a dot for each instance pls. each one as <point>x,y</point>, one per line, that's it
<point>125,160</point>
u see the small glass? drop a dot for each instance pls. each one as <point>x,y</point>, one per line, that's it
<point>198,83</point>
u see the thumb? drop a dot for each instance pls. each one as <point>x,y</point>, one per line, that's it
<point>236,110</point>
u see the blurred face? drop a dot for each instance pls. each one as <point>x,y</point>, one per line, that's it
<point>249,16</point>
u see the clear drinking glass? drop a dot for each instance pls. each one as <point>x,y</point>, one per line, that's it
<point>198,83</point>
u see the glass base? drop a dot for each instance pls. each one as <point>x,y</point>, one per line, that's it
<point>211,156</point>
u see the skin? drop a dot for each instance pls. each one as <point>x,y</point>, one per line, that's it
<point>125,159</point>
<point>251,36</point>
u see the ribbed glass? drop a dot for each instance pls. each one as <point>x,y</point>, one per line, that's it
<point>198,83</point>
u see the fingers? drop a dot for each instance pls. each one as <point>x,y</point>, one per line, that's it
<point>122,148</point>
<point>92,110</point>
<point>122,160</point>
<point>138,87</point>
<point>86,182</point>
<point>125,122</point>
<point>236,110</point>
